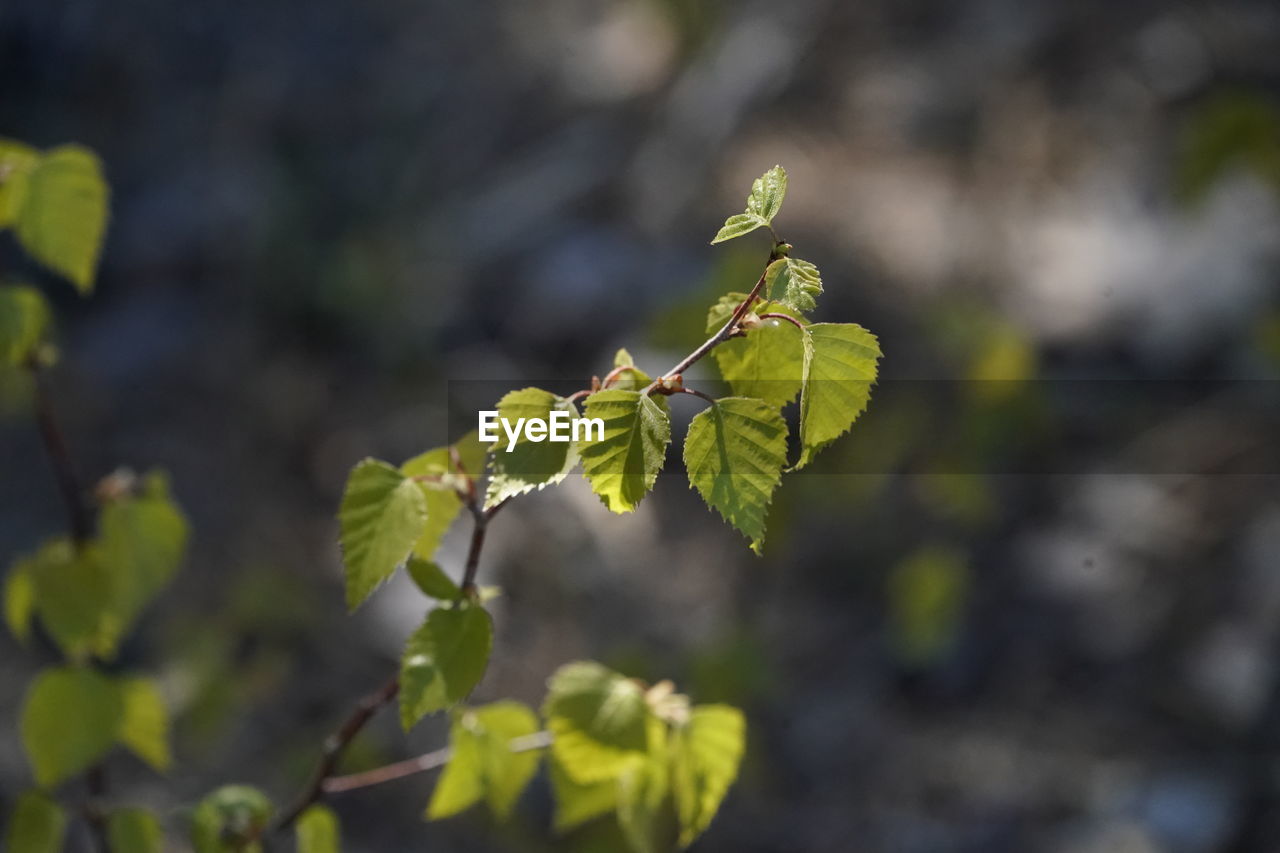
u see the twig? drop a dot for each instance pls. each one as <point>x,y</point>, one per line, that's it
<point>421,764</point>
<point>55,445</point>
<point>792,320</point>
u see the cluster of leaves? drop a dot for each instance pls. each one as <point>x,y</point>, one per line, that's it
<point>84,591</point>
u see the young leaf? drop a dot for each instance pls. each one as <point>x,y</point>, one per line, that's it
<point>134,831</point>
<point>444,660</point>
<point>19,600</point>
<point>483,765</point>
<point>226,818</point>
<point>443,504</point>
<point>16,162</point>
<point>24,323</point>
<point>63,214</point>
<point>597,718</point>
<point>529,465</point>
<point>706,753</point>
<point>317,831</point>
<point>432,580</point>
<point>383,513</point>
<point>767,192</point>
<point>73,598</point>
<point>144,728</point>
<point>798,282</point>
<point>37,825</point>
<point>735,452</point>
<point>839,369</point>
<point>642,795</point>
<point>577,803</point>
<point>623,467</point>
<point>141,545</point>
<point>70,719</point>
<point>768,361</point>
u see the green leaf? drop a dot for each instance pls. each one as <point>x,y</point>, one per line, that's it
<point>577,803</point>
<point>597,718</point>
<point>16,162</point>
<point>839,370</point>
<point>642,797</point>
<point>73,598</point>
<point>141,545</point>
<point>442,501</point>
<point>483,764</point>
<point>382,515</point>
<point>70,719</point>
<point>145,726</point>
<point>763,204</point>
<point>444,660</point>
<point>24,323</point>
<point>799,282</point>
<point>19,600</point>
<point>766,363</point>
<point>63,215</point>
<point>227,817</point>
<point>432,580</point>
<point>37,825</point>
<point>706,753</point>
<point>134,831</point>
<point>317,831</point>
<point>529,465</point>
<point>735,452</point>
<point>623,466</point>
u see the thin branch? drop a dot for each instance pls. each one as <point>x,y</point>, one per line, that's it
<point>697,393</point>
<point>421,764</point>
<point>792,320</point>
<point>78,518</point>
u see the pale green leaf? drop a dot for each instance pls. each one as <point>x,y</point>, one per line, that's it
<point>483,764</point>
<point>63,216</point>
<point>145,726</point>
<point>643,812</point>
<point>763,204</point>
<point>706,754</point>
<point>444,660</point>
<point>226,818</point>
<point>528,465</point>
<point>16,162</point>
<point>436,478</point>
<point>623,466</point>
<point>19,600</point>
<point>134,831</point>
<point>768,361</point>
<point>73,598</point>
<point>24,323</point>
<point>432,580</point>
<point>70,718</point>
<point>382,515</point>
<point>839,370</point>
<point>597,718</point>
<point>317,831</point>
<point>792,283</point>
<point>37,825</point>
<point>577,803</point>
<point>735,452</point>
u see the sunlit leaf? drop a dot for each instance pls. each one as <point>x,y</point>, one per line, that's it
<point>16,162</point>
<point>623,466</point>
<point>529,464</point>
<point>793,283</point>
<point>144,728</point>
<point>706,754</point>
<point>19,600</point>
<point>382,515</point>
<point>432,580</point>
<point>735,452</point>
<point>768,361</point>
<point>839,370</point>
<point>73,598</point>
<point>70,718</point>
<point>643,810</point>
<point>63,215</point>
<point>597,718</point>
<point>577,803</point>
<point>444,660</point>
<point>317,831</point>
<point>763,204</point>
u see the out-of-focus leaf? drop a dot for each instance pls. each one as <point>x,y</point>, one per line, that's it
<point>70,718</point>
<point>37,825</point>
<point>226,818</point>
<point>63,215</point>
<point>317,831</point>
<point>134,831</point>
<point>598,720</point>
<point>927,595</point>
<point>444,660</point>
<point>706,754</point>
<point>484,765</point>
<point>839,370</point>
<point>19,601</point>
<point>73,598</point>
<point>144,728</point>
<point>577,803</point>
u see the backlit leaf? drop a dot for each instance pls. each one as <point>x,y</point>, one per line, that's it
<point>444,660</point>
<point>768,361</point>
<point>70,718</point>
<point>382,515</point>
<point>63,215</point>
<point>226,818</point>
<point>483,764</point>
<point>643,811</point>
<point>529,464</point>
<point>706,754</point>
<point>767,193</point>
<point>73,598</point>
<point>793,283</point>
<point>597,718</point>
<point>16,162</point>
<point>144,728</point>
<point>623,466</point>
<point>839,370</point>
<point>735,452</point>
<point>577,803</point>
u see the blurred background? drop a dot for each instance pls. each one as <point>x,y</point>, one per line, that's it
<point>1032,603</point>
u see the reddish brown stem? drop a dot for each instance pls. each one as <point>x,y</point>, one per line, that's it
<point>792,320</point>
<point>420,764</point>
<point>79,520</point>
